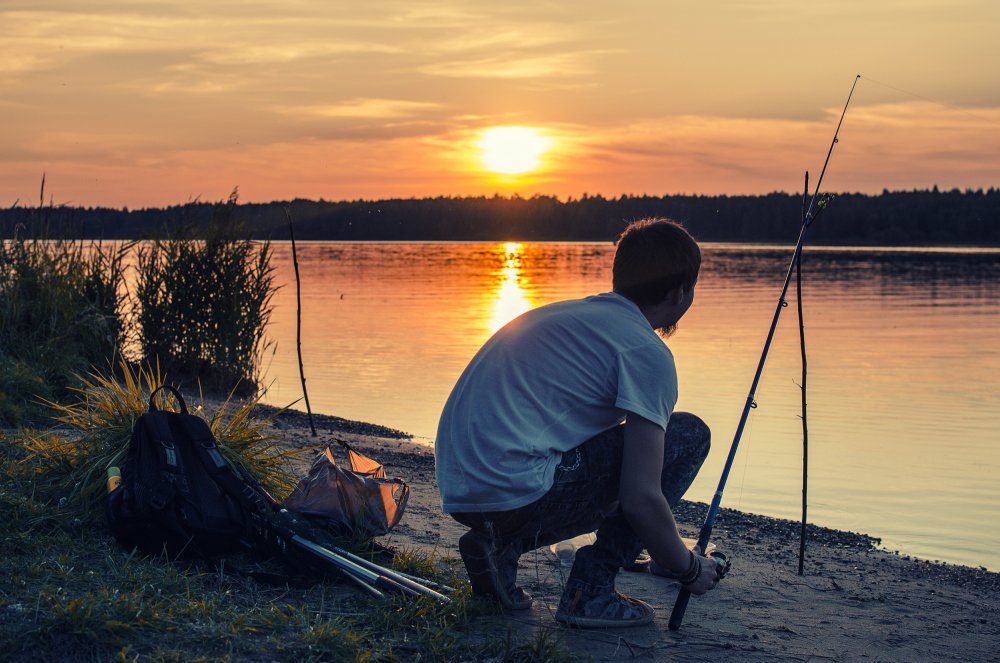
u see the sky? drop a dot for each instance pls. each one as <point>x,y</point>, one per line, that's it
<point>146,104</point>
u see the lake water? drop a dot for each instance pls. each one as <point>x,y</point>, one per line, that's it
<point>903,349</point>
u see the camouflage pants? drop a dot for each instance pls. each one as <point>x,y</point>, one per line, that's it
<point>584,498</point>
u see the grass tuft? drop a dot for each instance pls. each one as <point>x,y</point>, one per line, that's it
<point>72,461</point>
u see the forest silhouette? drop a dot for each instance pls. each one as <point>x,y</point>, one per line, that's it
<point>928,217</point>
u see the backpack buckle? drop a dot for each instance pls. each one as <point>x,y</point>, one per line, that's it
<point>213,452</point>
<point>171,453</point>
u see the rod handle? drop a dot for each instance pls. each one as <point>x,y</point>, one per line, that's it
<point>414,583</point>
<point>389,585</point>
<point>683,596</point>
<point>414,586</point>
<point>680,606</point>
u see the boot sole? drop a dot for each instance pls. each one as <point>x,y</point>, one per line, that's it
<point>602,622</point>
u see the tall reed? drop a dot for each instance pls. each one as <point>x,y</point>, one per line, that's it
<point>62,308</point>
<point>204,304</point>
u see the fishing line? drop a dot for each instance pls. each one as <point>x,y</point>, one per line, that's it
<point>746,461</point>
<point>915,95</point>
<point>680,606</point>
<point>899,89</point>
<point>748,436</point>
<point>969,113</point>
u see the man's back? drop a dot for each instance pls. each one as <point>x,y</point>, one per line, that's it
<point>542,385</point>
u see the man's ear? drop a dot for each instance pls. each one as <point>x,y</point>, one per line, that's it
<point>676,296</point>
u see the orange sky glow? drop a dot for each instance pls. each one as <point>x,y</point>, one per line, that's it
<point>146,103</point>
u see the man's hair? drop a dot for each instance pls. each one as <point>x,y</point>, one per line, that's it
<point>654,257</point>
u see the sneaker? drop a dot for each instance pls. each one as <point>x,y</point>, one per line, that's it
<point>587,606</point>
<point>492,572</point>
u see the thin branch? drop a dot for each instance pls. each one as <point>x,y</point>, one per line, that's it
<point>298,322</point>
<point>805,425</point>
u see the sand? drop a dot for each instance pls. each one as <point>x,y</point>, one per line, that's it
<point>854,601</point>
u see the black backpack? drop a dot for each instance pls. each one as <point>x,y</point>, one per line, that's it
<point>178,494</point>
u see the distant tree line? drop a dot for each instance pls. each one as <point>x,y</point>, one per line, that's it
<point>970,217</point>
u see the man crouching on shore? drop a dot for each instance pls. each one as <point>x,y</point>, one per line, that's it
<point>531,449</point>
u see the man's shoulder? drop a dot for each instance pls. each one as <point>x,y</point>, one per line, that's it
<point>607,322</point>
<point>606,304</point>
<point>594,307</point>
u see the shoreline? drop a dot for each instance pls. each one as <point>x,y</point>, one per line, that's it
<point>405,448</point>
<point>854,601</point>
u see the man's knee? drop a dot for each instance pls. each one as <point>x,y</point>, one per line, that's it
<point>691,433</point>
<point>685,448</point>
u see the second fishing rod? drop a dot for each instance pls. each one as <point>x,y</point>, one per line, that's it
<point>680,606</point>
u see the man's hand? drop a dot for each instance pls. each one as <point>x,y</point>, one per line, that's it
<point>708,577</point>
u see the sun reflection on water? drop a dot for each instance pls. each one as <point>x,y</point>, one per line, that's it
<point>511,300</point>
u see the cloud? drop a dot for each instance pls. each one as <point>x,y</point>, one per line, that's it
<point>13,61</point>
<point>494,49</point>
<point>193,86</point>
<point>487,36</point>
<point>41,39</point>
<point>283,52</point>
<point>361,108</point>
<point>516,66</point>
<point>904,145</point>
<point>894,146</point>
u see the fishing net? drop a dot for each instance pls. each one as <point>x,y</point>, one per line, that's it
<point>350,501</point>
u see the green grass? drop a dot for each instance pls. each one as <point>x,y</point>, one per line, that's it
<point>69,592</point>
<point>94,430</point>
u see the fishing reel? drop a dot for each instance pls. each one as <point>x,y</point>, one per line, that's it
<point>722,563</point>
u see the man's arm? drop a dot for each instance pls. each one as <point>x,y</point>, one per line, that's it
<point>642,501</point>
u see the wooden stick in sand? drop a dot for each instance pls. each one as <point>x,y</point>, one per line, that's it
<point>298,321</point>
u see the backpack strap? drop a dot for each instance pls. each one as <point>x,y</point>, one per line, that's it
<point>165,448</point>
<point>241,488</point>
<point>172,390</point>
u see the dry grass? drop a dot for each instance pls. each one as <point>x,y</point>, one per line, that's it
<point>73,458</point>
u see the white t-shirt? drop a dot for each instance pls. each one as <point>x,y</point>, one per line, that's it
<point>545,383</point>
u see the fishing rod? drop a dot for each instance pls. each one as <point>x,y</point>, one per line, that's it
<point>375,581</point>
<point>277,529</point>
<point>680,606</point>
<point>282,527</point>
<point>415,583</point>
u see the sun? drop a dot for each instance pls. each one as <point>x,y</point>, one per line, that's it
<point>513,150</point>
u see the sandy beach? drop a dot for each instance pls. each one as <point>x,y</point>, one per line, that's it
<point>853,602</point>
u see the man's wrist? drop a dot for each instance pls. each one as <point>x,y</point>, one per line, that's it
<point>693,570</point>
